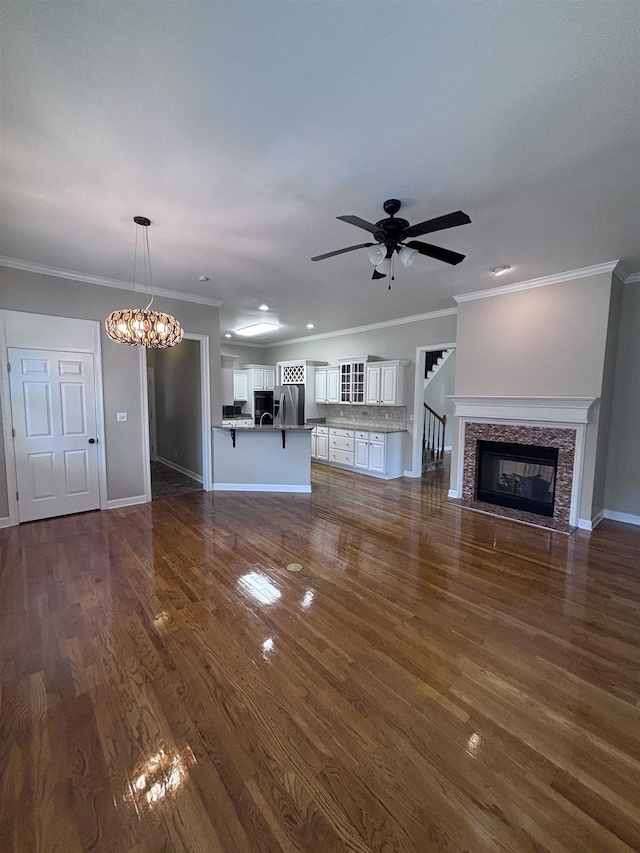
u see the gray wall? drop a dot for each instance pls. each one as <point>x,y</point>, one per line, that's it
<point>622,492</point>
<point>548,341</point>
<point>42,294</point>
<point>179,405</point>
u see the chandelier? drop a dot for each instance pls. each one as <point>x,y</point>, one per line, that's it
<point>143,327</point>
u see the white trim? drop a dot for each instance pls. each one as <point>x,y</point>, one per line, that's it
<point>180,469</point>
<point>453,493</point>
<point>5,522</point>
<point>570,275</point>
<point>71,275</point>
<point>205,405</point>
<point>400,321</point>
<point>624,517</point>
<point>564,410</point>
<point>25,330</point>
<point>146,445</point>
<point>259,487</point>
<point>634,278</point>
<point>418,399</point>
<point>120,502</point>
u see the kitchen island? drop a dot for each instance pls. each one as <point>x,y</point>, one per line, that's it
<point>262,458</point>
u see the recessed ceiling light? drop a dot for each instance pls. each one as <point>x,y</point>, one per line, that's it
<point>257,329</point>
<point>500,270</point>
<point>310,326</point>
<point>263,307</point>
<point>203,278</point>
<point>228,335</point>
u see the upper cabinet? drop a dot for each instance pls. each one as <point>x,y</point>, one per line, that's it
<point>328,385</point>
<point>261,377</point>
<point>297,372</point>
<point>353,377</point>
<point>240,386</point>
<point>385,383</point>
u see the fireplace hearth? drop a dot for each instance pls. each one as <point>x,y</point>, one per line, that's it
<point>519,476</point>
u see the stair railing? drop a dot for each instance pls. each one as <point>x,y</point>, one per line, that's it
<point>433,433</point>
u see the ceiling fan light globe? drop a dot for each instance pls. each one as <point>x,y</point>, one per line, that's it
<point>384,266</point>
<point>377,254</point>
<point>407,255</point>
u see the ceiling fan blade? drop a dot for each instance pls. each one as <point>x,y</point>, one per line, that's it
<point>341,251</point>
<point>436,252</point>
<point>451,220</point>
<point>377,274</point>
<point>361,223</point>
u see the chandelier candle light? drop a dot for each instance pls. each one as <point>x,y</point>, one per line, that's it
<point>143,327</point>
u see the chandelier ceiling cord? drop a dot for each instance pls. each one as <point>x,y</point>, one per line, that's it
<point>143,327</point>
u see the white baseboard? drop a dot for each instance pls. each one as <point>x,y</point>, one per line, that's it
<point>179,468</point>
<point>258,487</point>
<point>611,514</point>
<point>453,493</point>
<point>590,523</point>
<point>134,499</point>
<point>5,522</point>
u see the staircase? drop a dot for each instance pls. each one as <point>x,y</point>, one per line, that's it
<point>432,440</point>
<point>433,363</point>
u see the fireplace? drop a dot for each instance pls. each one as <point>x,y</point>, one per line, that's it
<point>542,443</point>
<point>519,476</point>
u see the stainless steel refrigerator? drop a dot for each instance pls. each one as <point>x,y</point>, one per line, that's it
<point>288,405</point>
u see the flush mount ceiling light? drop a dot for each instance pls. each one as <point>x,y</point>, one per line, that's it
<point>257,329</point>
<point>310,326</point>
<point>228,335</point>
<point>263,307</point>
<point>142,327</point>
<point>500,270</point>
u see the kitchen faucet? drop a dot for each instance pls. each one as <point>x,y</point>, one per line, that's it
<point>263,414</point>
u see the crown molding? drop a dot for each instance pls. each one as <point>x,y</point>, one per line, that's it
<point>634,278</point>
<point>585,272</point>
<point>71,275</point>
<point>400,321</point>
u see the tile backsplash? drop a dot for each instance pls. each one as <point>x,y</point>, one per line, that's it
<point>372,416</point>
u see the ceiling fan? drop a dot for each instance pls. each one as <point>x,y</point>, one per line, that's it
<point>390,236</point>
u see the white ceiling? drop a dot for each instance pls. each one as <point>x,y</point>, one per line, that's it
<point>242,129</point>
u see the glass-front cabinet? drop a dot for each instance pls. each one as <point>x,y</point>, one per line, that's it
<point>352,374</point>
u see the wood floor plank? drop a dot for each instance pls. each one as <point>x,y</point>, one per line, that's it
<point>432,680</point>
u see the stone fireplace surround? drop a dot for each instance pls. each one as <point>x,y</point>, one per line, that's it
<point>544,421</point>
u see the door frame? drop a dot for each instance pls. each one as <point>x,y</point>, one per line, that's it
<point>43,332</point>
<point>205,405</point>
<point>418,399</point>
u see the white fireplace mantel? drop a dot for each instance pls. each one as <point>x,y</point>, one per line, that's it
<point>557,410</point>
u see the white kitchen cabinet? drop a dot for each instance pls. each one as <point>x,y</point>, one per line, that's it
<point>240,386</point>
<point>352,376</point>
<point>314,443</point>
<point>377,457</point>
<point>385,383</point>
<point>322,444</point>
<point>328,385</point>
<point>261,377</point>
<point>361,451</point>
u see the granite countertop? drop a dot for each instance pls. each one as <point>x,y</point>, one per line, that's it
<point>358,427</point>
<point>268,428</point>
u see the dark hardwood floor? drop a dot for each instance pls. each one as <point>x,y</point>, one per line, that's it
<point>432,679</point>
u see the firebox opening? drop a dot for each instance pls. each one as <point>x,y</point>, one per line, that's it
<point>520,476</point>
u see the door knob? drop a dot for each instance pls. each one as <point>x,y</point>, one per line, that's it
<point>93,441</point>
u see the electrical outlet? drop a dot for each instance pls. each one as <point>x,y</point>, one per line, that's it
<point>386,416</point>
<point>121,416</point>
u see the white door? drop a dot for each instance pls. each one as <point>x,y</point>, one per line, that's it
<point>376,457</point>
<point>361,459</point>
<point>321,386</point>
<point>373,385</point>
<point>389,385</point>
<point>333,385</point>
<point>54,421</point>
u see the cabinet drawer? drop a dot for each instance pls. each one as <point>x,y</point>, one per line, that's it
<point>322,430</point>
<point>339,443</point>
<point>377,436</point>
<point>342,457</point>
<point>343,433</point>
<point>364,435</point>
